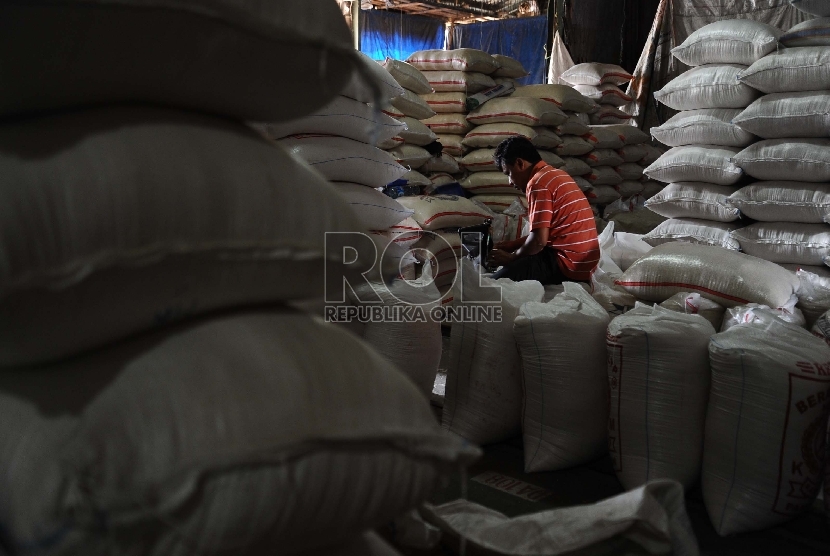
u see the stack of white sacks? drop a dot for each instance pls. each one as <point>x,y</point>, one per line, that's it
<point>410,109</point>
<point>744,410</point>
<point>155,395</point>
<point>762,126</point>
<point>616,162</point>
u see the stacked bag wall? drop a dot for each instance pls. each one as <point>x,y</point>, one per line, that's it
<point>120,218</point>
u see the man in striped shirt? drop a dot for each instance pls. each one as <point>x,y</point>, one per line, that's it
<point>562,244</point>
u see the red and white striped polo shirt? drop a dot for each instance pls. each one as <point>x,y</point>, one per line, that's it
<point>556,202</point>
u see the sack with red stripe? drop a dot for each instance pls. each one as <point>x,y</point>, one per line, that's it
<point>460,59</point>
<point>492,183</point>
<point>500,203</point>
<point>604,94</point>
<point>448,124</point>
<point>413,106</point>
<point>724,276</point>
<point>444,211</point>
<point>407,76</point>
<point>446,103</point>
<point>609,115</point>
<point>490,135</point>
<point>404,234</point>
<point>566,98</point>
<point>694,230</point>
<point>596,74</point>
<point>453,81</point>
<point>527,111</point>
<point>452,145</point>
<point>416,133</point>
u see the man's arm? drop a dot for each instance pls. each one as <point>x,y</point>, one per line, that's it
<point>510,245</point>
<point>533,243</point>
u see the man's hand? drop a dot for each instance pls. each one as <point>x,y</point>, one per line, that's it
<point>499,257</point>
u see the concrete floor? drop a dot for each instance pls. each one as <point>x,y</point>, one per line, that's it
<point>808,535</point>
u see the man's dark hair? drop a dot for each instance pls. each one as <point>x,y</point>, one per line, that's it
<point>513,149</point>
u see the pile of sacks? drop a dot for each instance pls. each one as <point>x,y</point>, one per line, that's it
<point>156,395</point>
<point>675,384</point>
<point>618,180</point>
<point>763,125</point>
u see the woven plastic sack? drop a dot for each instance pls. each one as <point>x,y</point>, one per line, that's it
<point>602,157</point>
<point>573,146</point>
<point>446,103</point>
<point>804,68</point>
<point>509,67</point>
<point>630,171</point>
<point>94,252</point>
<point>460,59</point>
<point>766,423</point>
<point>341,159</point>
<point>452,144</point>
<point>783,115</point>
<point>596,74</point>
<point>601,194</point>
<point>603,175</point>
<point>632,153</point>
<point>813,295</point>
<point>444,163</point>
<point>572,126</point>
<point>479,160</point>
<point>413,346</point>
<point>754,313</point>
<point>705,163</point>
<point>713,86</point>
<point>652,155</point>
<point>174,67</point>
<point>483,402</point>
<point>604,94</point>
<point>628,133</point>
<point>443,211</point>
<point>704,232</point>
<point>408,76</point>
<point>605,137</point>
<point>500,203</point>
<point>814,32</point>
<point>787,159</point>
<point>410,156</point>
<point>375,210</point>
<point>813,7</point>
<point>372,83</point>
<point>448,124</point>
<point>563,96</point>
<point>459,81</point>
<point>732,41</point>
<point>707,126</point>
<point>783,201</point>
<point>565,413</point>
<point>574,166</point>
<point>517,110</point>
<point>786,242</point>
<point>416,133</point>
<point>609,115</point>
<point>343,116</point>
<point>413,106</point>
<point>695,304</point>
<point>479,183</point>
<point>651,188</point>
<point>704,201</point>
<point>490,135</point>
<point>724,276</point>
<point>821,329</point>
<point>629,188</point>
<point>299,410</point>
<point>658,370</point>
<point>560,60</point>
<point>405,233</point>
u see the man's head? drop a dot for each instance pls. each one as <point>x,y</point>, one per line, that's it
<point>515,158</point>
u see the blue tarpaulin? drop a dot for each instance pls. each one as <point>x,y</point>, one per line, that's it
<point>395,35</point>
<point>523,38</point>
